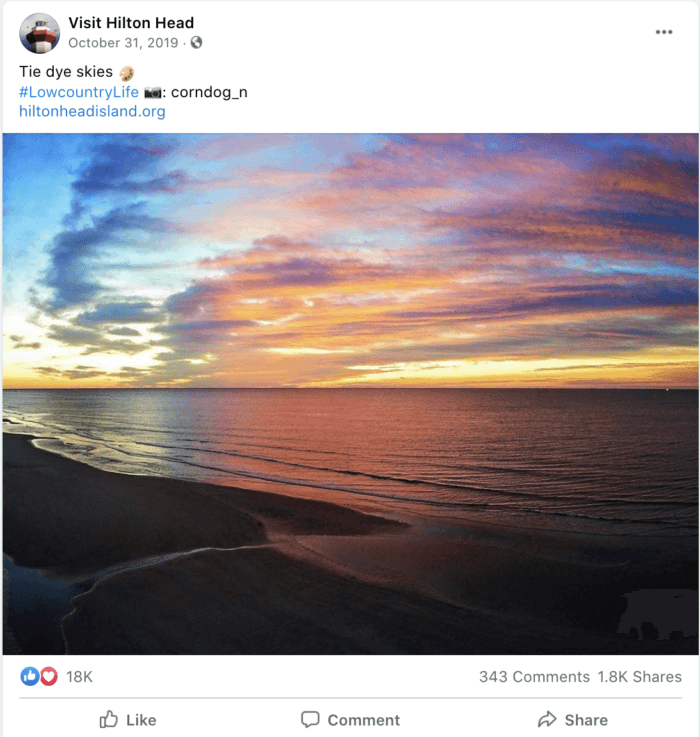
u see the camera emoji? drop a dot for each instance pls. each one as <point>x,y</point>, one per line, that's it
<point>153,93</point>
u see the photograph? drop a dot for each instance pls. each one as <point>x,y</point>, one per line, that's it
<point>39,33</point>
<point>360,393</point>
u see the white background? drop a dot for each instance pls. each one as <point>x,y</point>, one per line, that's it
<point>392,67</point>
<point>440,695</point>
<point>372,67</point>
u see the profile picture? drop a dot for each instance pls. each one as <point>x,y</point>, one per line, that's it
<point>39,33</point>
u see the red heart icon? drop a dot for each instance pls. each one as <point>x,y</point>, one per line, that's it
<point>49,676</point>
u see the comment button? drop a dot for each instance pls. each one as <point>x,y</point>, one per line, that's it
<point>310,718</point>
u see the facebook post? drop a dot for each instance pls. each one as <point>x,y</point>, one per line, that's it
<point>350,367</point>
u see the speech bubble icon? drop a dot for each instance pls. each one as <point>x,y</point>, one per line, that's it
<point>310,718</point>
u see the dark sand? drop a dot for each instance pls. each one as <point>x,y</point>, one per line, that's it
<point>151,565</point>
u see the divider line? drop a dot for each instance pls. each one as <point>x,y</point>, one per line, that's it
<point>358,698</point>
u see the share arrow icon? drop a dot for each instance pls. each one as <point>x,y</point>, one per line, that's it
<point>547,719</point>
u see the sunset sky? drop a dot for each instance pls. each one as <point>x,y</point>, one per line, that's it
<point>350,260</point>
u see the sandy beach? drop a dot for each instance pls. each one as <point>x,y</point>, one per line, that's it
<point>134,564</point>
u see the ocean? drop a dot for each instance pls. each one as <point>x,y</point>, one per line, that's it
<point>595,461</point>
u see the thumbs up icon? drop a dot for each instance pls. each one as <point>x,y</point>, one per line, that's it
<point>108,721</point>
<point>30,676</point>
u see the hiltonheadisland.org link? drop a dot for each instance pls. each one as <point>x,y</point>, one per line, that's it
<point>90,111</point>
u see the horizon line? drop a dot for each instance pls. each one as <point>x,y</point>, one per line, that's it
<point>333,388</point>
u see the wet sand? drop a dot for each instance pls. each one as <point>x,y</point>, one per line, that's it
<point>153,565</point>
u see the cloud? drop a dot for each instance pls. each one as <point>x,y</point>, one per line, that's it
<point>191,340</point>
<point>137,165</point>
<point>78,373</point>
<point>93,341</point>
<point>120,312</point>
<point>19,342</point>
<point>283,243</point>
<point>114,167</point>
<point>302,351</point>
<point>124,331</point>
<point>123,165</point>
<point>206,326</point>
<point>73,251</point>
<point>191,301</point>
<point>297,271</point>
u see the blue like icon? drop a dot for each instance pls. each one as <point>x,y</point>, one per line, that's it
<point>29,676</point>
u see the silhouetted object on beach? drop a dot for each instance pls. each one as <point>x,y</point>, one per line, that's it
<point>649,632</point>
<point>659,612</point>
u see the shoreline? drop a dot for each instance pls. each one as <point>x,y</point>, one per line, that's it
<point>188,567</point>
<point>399,508</point>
